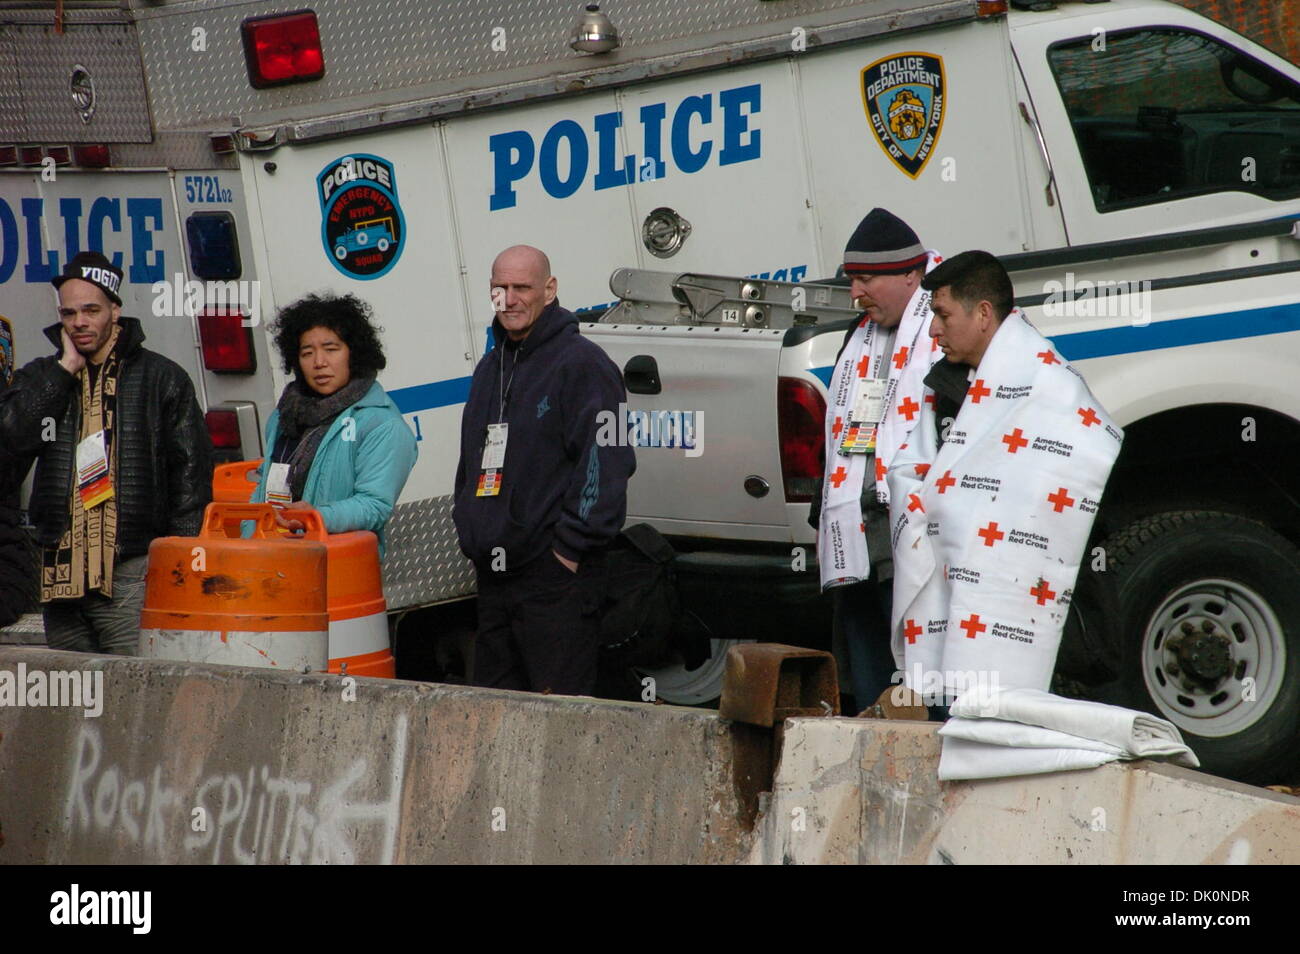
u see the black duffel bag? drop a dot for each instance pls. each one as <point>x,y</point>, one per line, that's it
<point>637,599</point>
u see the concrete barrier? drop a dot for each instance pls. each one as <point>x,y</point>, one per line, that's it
<point>191,763</point>
<point>158,762</point>
<point>860,791</point>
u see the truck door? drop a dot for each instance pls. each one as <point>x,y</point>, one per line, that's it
<point>1161,128</point>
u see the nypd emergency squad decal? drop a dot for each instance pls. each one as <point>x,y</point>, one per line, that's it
<point>903,96</point>
<point>362,224</point>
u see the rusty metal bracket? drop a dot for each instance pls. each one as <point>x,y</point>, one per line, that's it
<point>766,683</point>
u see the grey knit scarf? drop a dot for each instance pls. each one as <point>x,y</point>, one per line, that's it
<point>306,416</point>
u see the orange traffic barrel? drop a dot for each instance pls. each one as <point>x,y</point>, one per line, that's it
<point>235,483</point>
<point>358,613</point>
<point>217,598</point>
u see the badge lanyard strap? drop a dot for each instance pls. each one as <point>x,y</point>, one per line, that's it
<point>503,386</point>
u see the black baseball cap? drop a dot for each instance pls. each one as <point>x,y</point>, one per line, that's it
<point>93,267</point>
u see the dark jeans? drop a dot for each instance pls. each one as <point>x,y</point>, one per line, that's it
<point>862,614</point>
<point>533,632</point>
<point>97,624</point>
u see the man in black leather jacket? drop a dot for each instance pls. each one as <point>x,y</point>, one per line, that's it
<point>151,477</point>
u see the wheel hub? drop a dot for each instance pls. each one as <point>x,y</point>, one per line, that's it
<point>1204,652</point>
<point>1213,657</point>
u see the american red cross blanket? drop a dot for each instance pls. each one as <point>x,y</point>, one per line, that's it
<point>989,532</point>
<point>901,357</point>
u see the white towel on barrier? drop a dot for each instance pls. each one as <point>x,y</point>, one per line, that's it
<point>962,759</point>
<point>1028,731</point>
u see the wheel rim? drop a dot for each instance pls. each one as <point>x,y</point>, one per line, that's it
<point>1200,648</point>
<point>692,687</point>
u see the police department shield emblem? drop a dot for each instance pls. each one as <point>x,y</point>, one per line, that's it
<point>903,96</point>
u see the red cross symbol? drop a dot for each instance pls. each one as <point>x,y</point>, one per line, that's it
<point>928,399</point>
<point>908,408</point>
<point>862,528</point>
<point>944,482</point>
<point>1015,440</point>
<point>839,477</point>
<point>837,427</point>
<point>881,469</point>
<point>922,469</point>
<point>934,344</point>
<point>991,534</point>
<point>863,365</point>
<point>1049,357</point>
<point>1042,592</point>
<point>973,626</point>
<point>977,390</point>
<point>912,630</point>
<point>914,504</point>
<point>1089,416</point>
<point>900,357</point>
<point>1060,500</point>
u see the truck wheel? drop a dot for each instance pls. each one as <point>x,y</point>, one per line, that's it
<point>702,685</point>
<point>1210,606</point>
<point>382,245</point>
<point>340,252</point>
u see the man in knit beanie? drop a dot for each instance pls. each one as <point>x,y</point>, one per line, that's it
<point>876,397</point>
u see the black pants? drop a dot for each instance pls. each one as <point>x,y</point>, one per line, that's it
<point>537,627</point>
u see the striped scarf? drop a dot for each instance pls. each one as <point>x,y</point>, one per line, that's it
<point>83,560</point>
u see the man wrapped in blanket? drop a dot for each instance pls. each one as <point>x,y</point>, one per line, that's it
<point>993,497</point>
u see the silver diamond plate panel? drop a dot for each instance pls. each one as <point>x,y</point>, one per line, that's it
<point>182,150</point>
<point>29,630</point>
<point>374,49</point>
<point>13,121</point>
<point>44,61</point>
<point>424,564</point>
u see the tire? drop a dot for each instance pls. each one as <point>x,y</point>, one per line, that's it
<point>701,686</point>
<point>382,245</point>
<point>1231,586</point>
<point>340,252</point>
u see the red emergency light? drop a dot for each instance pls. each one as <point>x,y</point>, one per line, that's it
<point>227,342</point>
<point>91,156</point>
<point>8,155</point>
<point>30,155</point>
<point>990,8</point>
<point>62,155</point>
<point>800,413</point>
<point>223,428</point>
<point>283,48</point>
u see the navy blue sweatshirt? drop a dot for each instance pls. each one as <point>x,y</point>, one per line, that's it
<point>559,489</point>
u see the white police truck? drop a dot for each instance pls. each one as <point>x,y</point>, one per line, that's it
<point>225,152</point>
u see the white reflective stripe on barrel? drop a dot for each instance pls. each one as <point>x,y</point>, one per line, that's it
<point>294,651</point>
<point>356,637</point>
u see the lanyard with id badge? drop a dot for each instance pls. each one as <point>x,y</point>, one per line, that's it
<point>494,447</point>
<point>868,408</point>
<point>94,483</point>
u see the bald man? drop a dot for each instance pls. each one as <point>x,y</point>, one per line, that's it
<point>538,498</point>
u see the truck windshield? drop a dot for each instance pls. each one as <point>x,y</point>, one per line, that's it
<point>1161,114</point>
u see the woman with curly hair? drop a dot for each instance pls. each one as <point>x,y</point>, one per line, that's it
<point>336,442</point>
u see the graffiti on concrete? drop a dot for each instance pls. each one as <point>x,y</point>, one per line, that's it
<point>254,816</point>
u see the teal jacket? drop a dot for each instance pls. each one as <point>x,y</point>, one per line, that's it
<point>360,467</point>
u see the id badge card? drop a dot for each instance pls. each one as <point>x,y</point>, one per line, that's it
<point>277,485</point>
<point>494,458</point>
<point>868,408</point>
<point>93,481</point>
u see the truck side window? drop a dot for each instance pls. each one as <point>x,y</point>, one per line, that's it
<point>1163,113</point>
